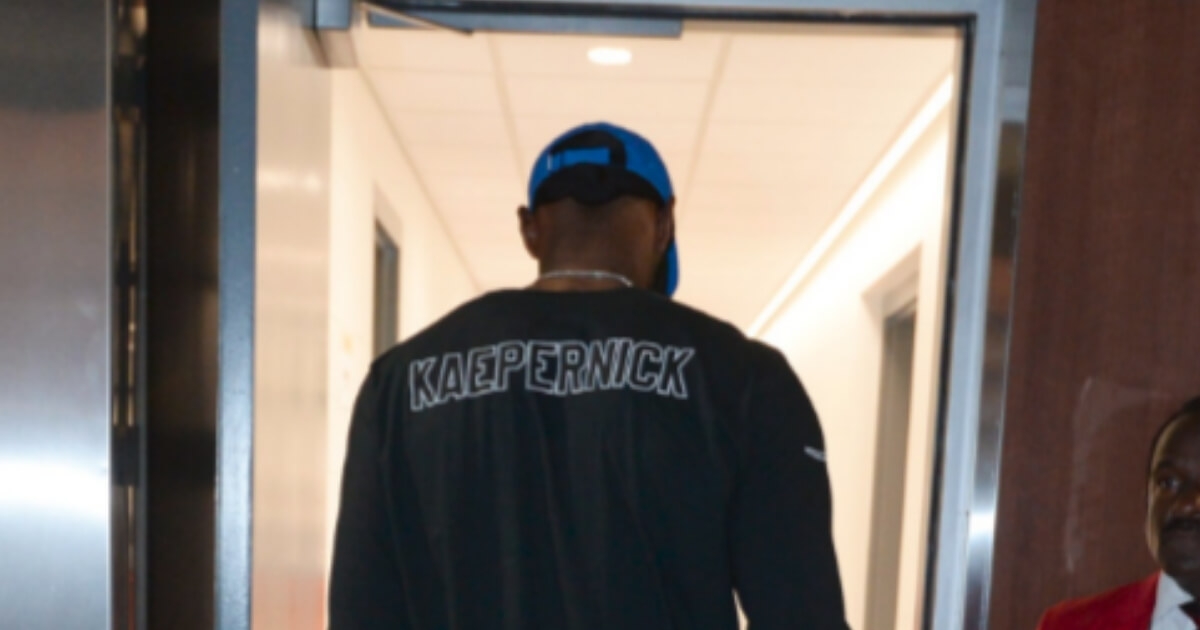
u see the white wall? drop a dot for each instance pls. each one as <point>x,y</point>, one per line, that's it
<point>327,161</point>
<point>368,164</point>
<point>831,332</point>
<point>291,324</point>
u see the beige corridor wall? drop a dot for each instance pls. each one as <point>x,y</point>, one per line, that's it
<point>831,332</point>
<point>372,180</point>
<point>291,324</point>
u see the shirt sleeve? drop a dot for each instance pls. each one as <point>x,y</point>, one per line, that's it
<point>366,591</point>
<point>784,565</point>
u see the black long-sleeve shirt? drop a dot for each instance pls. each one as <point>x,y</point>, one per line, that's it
<point>578,461</point>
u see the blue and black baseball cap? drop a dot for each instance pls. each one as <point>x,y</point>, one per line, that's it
<point>597,163</point>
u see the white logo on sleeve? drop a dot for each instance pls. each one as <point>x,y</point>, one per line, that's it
<point>815,454</point>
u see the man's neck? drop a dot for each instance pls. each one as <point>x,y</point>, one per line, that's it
<point>580,279</point>
<point>584,269</point>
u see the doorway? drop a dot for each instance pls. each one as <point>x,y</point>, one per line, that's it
<point>439,273</point>
<point>798,184</point>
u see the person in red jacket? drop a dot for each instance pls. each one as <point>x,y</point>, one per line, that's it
<point>1166,600</point>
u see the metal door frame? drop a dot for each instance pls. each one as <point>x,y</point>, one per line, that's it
<point>996,76</point>
<point>237,201</point>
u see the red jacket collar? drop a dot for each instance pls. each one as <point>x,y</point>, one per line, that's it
<point>1130,607</point>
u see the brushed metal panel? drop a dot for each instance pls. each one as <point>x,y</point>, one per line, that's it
<point>55,315</point>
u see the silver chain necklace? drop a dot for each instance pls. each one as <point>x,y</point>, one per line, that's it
<point>589,274</point>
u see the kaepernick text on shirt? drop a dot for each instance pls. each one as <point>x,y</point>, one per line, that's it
<point>550,367</point>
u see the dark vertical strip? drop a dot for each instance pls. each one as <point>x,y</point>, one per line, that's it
<point>387,288</point>
<point>182,318</point>
<point>128,510</point>
<point>891,460</point>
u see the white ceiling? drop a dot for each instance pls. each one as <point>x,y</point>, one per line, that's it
<point>767,131</point>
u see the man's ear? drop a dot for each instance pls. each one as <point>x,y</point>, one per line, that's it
<point>530,235</point>
<point>665,227</point>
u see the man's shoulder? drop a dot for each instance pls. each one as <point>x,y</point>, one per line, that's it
<point>710,323</point>
<point>1127,606</point>
<point>727,335</point>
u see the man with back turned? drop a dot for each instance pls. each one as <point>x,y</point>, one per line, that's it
<point>586,453</point>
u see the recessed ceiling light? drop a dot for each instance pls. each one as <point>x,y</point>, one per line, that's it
<point>607,56</point>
